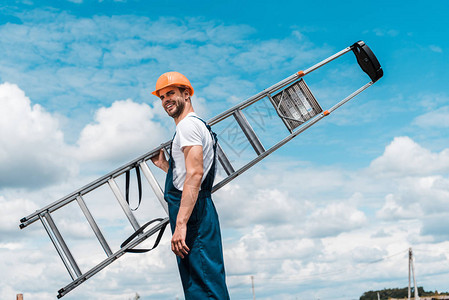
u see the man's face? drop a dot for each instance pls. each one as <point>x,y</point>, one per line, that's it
<point>172,101</point>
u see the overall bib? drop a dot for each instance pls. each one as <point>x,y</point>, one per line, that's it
<point>202,269</point>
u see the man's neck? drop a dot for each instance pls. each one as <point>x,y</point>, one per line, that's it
<point>184,114</point>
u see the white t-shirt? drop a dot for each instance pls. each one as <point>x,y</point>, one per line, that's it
<point>190,131</point>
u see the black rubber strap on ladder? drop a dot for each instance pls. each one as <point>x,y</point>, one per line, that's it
<point>139,231</point>
<point>139,185</point>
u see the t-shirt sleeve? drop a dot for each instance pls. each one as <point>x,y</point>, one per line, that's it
<point>190,134</point>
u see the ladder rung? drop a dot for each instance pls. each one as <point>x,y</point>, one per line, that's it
<point>63,250</point>
<point>154,185</point>
<point>112,258</point>
<point>121,200</point>
<point>249,132</point>
<point>94,225</point>
<point>224,161</point>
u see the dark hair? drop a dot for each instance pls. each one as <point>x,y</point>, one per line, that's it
<point>182,89</point>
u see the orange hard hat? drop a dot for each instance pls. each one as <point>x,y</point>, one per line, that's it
<point>172,78</point>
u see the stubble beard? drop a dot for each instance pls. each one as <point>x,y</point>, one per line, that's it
<point>179,108</point>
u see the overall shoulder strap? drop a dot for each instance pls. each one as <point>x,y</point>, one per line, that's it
<point>213,134</point>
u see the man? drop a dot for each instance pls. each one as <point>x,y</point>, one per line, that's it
<point>190,172</point>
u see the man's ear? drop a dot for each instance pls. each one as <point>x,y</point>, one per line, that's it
<point>186,94</point>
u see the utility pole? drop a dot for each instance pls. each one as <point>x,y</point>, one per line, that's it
<point>252,284</point>
<point>409,272</point>
<point>411,269</point>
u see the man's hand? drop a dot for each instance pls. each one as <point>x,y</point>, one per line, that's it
<point>160,161</point>
<point>178,241</point>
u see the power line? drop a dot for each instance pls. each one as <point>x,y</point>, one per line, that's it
<point>332,272</point>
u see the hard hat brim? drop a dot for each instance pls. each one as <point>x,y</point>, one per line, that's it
<point>156,92</point>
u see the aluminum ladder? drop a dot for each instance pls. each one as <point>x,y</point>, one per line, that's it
<point>294,104</point>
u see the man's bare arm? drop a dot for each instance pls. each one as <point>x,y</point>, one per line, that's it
<point>194,173</point>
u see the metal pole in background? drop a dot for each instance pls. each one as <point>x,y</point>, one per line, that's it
<point>252,284</point>
<point>409,272</point>
<point>414,279</point>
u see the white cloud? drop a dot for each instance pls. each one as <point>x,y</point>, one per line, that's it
<point>32,152</point>
<point>283,237</point>
<point>120,133</point>
<point>433,102</point>
<point>436,226</point>
<point>414,191</point>
<point>338,218</point>
<point>229,88</point>
<point>366,254</point>
<point>12,211</point>
<point>85,61</point>
<point>296,240</point>
<point>386,32</point>
<point>405,157</point>
<point>277,53</point>
<point>438,118</point>
<point>435,48</point>
<point>392,210</point>
<point>288,228</point>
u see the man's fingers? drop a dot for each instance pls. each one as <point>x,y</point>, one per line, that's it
<point>158,159</point>
<point>161,155</point>
<point>185,248</point>
<point>180,248</point>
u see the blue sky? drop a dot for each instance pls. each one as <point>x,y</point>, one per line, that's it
<point>365,183</point>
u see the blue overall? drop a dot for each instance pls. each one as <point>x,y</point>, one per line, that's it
<point>202,270</point>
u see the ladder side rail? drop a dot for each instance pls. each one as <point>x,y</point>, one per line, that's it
<point>141,238</point>
<point>154,185</point>
<point>125,207</point>
<point>254,99</point>
<point>224,160</point>
<point>328,60</point>
<point>112,258</point>
<point>333,108</point>
<point>249,132</point>
<point>277,86</point>
<point>33,217</point>
<point>57,247</point>
<point>67,199</point>
<point>94,226</point>
<point>266,153</point>
<point>89,187</point>
<point>289,138</point>
<point>62,243</point>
